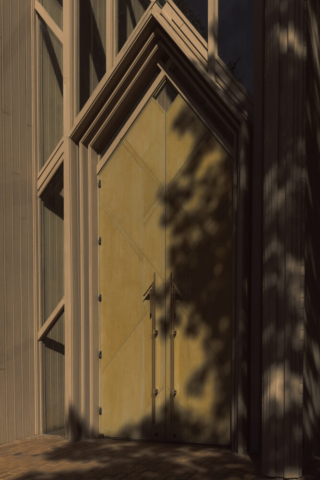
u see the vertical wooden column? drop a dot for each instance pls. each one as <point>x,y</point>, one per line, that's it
<point>93,292</point>
<point>283,272</point>
<point>311,387</point>
<point>84,288</point>
<point>71,235</point>
<point>72,291</point>
<point>239,434</point>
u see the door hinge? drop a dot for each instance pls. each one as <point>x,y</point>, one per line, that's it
<point>99,183</point>
<point>100,411</point>
<point>99,241</point>
<point>100,354</point>
<point>100,297</point>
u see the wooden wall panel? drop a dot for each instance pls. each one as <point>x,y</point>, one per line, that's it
<point>3,430</point>
<point>283,280</point>
<point>17,396</point>
<point>9,288</point>
<point>16,284</point>
<point>311,393</point>
<point>14,82</point>
<point>2,265</point>
<point>6,53</point>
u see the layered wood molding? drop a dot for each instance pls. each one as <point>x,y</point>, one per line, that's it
<point>283,214</point>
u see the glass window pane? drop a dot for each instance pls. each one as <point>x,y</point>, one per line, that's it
<point>51,96</point>
<point>52,244</point>
<point>196,12</point>
<point>236,38</point>
<point>92,17</point>
<point>129,14</point>
<point>53,381</point>
<point>54,8</point>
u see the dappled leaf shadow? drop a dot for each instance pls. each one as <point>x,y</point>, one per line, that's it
<point>95,459</point>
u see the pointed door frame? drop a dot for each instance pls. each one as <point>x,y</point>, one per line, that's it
<point>90,163</point>
<point>134,159</point>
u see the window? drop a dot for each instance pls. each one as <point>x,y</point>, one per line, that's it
<point>52,244</point>
<point>55,10</point>
<point>196,11</point>
<point>129,12</point>
<point>53,379</point>
<point>236,38</point>
<point>92,46</point>
<point>50,80</point>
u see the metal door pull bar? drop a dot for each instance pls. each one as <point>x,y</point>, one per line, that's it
<point>150,294</point>
<point>175,295</point>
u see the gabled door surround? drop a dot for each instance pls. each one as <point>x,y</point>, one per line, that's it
<point>99,132</point>
<point>166,278</point>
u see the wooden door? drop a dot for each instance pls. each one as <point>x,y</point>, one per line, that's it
<point>132,262</point>
<point>199,270</point>
<point>166,227</point>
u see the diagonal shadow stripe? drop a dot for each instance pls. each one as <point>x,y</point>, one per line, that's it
<point>127,237</point>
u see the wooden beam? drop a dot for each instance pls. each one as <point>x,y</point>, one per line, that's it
<point>48,20</point>
<point>52,320</point>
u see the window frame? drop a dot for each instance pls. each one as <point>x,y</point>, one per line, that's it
<point>42,15</point>
<point>43,175</point>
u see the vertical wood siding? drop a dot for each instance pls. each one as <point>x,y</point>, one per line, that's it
<point>283,275</point>
<point>17,398</point>
<point>311,393</point>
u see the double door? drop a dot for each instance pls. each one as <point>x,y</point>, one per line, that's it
<point>165,275</point>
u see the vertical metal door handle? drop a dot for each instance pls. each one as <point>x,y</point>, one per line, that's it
<point>150,295</point>
<point>174,296</point>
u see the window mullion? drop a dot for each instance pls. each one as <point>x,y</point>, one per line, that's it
<point>110,33</point>
<point>48,20</point>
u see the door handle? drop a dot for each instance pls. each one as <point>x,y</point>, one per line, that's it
<point>150,295</point>
<point>175,295</point>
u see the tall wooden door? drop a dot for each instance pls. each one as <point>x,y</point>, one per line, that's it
<point>165,211</point>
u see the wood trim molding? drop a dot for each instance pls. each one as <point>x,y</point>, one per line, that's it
<point>150,49</point>
<point>72,290</point>
<point>228,146</point>
<point>182,32</point>
<point>242,211</point>
<point>228,83</point>
<point>51,321</point>
<point>131,93</point>
<point>48,20</point>
<point>106,120</point>
<point>50,168</point>
<point>84,287</point>
<point>153,29</point>
<point>189,29</point>
<point>130,121</point>
<point>93,292</point>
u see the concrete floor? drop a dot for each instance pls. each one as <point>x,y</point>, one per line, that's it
<point>49,457</point>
